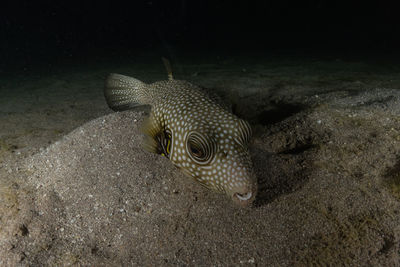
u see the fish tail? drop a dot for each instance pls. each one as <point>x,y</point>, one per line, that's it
<point>123,92</point>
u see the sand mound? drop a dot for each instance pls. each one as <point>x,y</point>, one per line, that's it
<point>328,178</point>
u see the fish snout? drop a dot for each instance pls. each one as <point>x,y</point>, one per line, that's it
<point>244,196</point>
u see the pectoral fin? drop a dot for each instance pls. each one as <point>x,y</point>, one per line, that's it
<point>152,131</point>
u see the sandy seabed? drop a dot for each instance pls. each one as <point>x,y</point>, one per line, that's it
<point>76,187</point>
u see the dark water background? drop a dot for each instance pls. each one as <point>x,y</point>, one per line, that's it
<point>46,35</point>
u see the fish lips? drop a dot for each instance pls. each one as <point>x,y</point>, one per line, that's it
<point>245,198</point>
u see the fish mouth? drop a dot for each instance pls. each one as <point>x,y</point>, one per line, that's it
<point>244,197</point>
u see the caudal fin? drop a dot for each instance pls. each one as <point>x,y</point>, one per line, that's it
<point>123,92</point>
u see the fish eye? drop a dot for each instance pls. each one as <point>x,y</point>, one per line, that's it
<point>195,150</point>
<point>200,149</point>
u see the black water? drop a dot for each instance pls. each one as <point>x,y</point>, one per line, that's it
<point>49,34</point>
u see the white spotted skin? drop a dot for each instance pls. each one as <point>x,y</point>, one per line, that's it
<point>184,109</point>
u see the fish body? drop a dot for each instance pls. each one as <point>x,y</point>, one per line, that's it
<point>199,135</point>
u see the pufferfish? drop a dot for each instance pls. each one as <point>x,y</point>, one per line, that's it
<point>197,133</point>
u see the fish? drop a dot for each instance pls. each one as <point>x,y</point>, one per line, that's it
<point>193,129</point>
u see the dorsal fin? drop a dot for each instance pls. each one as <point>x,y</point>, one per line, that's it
<point>167,65</point>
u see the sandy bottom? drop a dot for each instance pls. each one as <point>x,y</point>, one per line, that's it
<point>76,187</point>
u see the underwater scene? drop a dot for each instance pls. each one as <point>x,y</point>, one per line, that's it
<point>199,133</point>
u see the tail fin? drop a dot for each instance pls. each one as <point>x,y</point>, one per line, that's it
<point>123,92</point>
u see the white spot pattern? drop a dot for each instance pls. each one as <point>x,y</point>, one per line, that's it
<point>182,108</point>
